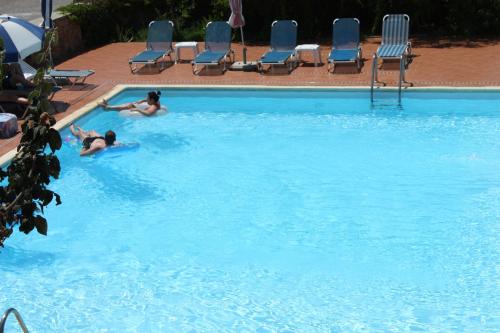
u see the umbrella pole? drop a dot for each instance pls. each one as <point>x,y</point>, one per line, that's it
<point>244,48</point>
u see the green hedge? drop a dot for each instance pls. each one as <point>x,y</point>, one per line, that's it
<point>122,20</point>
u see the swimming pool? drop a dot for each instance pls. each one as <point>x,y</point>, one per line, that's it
<point>273,211</point>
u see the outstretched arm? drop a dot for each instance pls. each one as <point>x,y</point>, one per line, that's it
<point>90,151</point>
<point>148,112</point>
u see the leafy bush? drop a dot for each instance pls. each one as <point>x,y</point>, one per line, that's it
<point>106,20</point>
<point>117,20</point>
<point>23,198</point>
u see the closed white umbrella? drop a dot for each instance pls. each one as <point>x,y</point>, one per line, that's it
<point>46,6</point>
<point>20,38</point>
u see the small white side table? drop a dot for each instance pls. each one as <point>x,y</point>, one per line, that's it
<point>313,48</point>
<point>185,45</point>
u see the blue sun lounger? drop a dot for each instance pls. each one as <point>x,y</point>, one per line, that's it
<point>395,44</point>
<point>217,46</point>
<point>283,43</point>
<point>74,76</point>
<point>158,45</point>
<point>346,46</point>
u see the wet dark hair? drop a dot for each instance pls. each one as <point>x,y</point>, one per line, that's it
<point>110,138</point>
<point>154,95</point>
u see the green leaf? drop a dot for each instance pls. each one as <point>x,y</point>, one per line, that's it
<point>41,225</point>
<point>55,141</point>
<point>58,199</point>
<point>27,224</point>
<point>54,166</point>
<point>47,197</point>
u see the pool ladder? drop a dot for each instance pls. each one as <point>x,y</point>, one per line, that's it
<point>20,320</point>
<point>374,80</point>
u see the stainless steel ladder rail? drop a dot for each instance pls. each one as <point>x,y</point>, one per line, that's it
<point>374,79</point>
<point>18,317</point>
<point>374,74</point>
<point>402,61</point>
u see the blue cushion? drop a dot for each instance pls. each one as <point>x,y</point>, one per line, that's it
<point>391,50</point>
<point>209,57</point>
<point>343,55</point>
<point>148,56</point>
<point>70,73</point>
<point>276,57</point>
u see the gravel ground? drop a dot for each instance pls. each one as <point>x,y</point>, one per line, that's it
<point>27,9</point>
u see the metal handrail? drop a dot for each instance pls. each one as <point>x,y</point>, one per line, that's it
<point>401,77</point>
<point>374,74</point>
<point>402,68</point>
<point>18,317</point>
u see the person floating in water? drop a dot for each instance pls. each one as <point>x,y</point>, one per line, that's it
<point>92,142</point>
<point>148,107</point>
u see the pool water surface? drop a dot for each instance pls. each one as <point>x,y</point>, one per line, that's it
<point>273,211</point>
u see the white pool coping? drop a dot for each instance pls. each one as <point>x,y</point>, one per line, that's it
<point>66,121</point>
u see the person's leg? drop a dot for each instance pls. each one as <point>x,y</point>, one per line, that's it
<point>92,133</point>
<point>8,96</point>
<point>119,107</point>
<point>78,132</point>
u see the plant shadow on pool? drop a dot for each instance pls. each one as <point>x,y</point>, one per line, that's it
<point>13,259</point>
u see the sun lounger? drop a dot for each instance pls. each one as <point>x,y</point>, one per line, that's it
<point>283,43</point>
<point>55,75</point>
<point>346,46</point>
<point>158,45</point>
<point>217,46</point>
<point>395,44</point>
<point>74,76</point>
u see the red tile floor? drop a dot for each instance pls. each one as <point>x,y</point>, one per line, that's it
<point>436,63</point>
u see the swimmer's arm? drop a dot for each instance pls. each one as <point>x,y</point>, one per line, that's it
<point>149,111</point>
<point>90,151</point>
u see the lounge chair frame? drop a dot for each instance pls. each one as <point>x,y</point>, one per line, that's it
<point>134,65</point>
<point>70,75</point>
<point>291,61</point>
<point>229,55</point>
<point>407,53</point>
<point>403,57</point>
<point>53,75</point>
<point>357,61</point>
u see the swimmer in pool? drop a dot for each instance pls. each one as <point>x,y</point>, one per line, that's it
<point>147,107</point>
<point>92,142</point>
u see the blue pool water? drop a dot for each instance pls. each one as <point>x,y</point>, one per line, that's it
<point>273,211</point>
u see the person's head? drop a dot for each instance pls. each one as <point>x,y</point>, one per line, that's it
<point>110,138</point>
<point>154,96</point>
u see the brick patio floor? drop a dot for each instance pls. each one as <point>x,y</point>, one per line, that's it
<point>444,63</point>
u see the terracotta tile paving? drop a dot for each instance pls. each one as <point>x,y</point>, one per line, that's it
<point>434,64</point>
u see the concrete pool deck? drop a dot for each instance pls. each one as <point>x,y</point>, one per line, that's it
<point>435,64</point>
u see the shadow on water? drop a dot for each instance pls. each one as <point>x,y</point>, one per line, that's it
<point>12,259</point>
<point>121,184</point>
<point>163,143</point>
